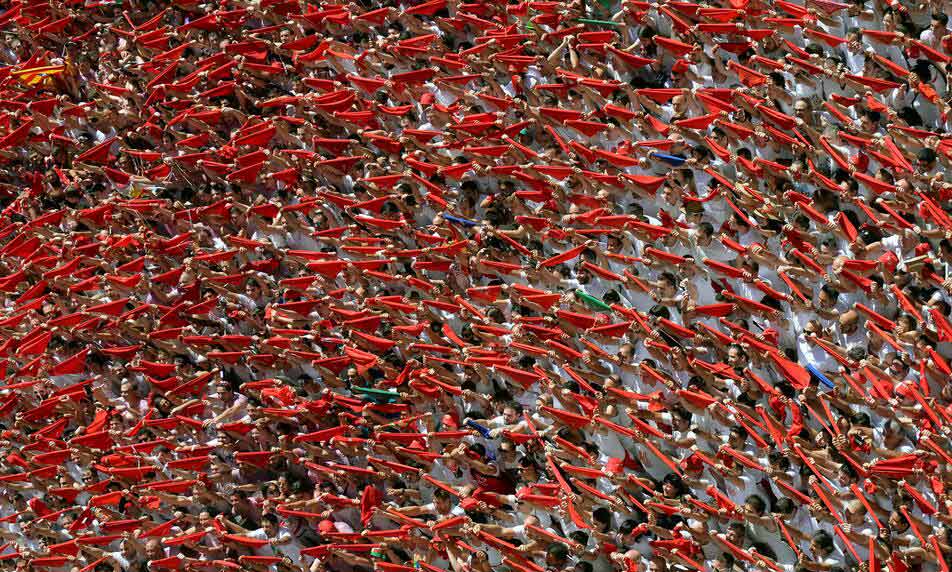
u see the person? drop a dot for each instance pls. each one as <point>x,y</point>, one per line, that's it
<point>472,287</point>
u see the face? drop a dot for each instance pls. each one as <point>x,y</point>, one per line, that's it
<point>903,325</point>
<point>843,478</point>
<point>802,110</point>
<point>153,550</point>
<point>735,439</point>
<point>898,368</point>
<point>736,358</point>
<point>667,289</point>
<point>269,528</point>
<point>848,326</point>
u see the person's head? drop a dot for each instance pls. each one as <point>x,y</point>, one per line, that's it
<point>507,452</point>
<point>629,530</point>
<point>253,290</point>
<point>238,499</point>
<point>755,504</point>
<point>897,365</point>
<point>906,323</point>
<point>897,521</point>
<point>602,518</point>
<point>705,233</point>
<point>680,418</point>
<point>828,296</point>
<point>821,545</point>
<point>583,276</point>
<point>224,390</point>
<point>736,533</point>
<point>556,556</point>
<point>846,475</point>
<point>443,501</point>
<point>737,437</point>
<point>128,390</point>
<point>855,511</point>
<point>667,284</point>
<point>724,562</point>
<point>891,429</point>
<point>785,507</point>
<point>803,110</point>
<point>154,550</point>
<point>583,566</point>
<point>849,322</point>
<point>869,121</point>
<point>939,23</point>
<point>672,486</point>
<point>737,357</point>
<point>511,413</point>
<point>926,159</point>
<point>778,461</point>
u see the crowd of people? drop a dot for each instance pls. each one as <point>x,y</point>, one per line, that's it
<point>444,286</point>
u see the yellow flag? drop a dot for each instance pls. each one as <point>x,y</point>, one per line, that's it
<point>33,76</point>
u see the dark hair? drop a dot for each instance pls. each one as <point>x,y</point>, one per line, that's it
<point>927,155</point>
<point>558,551</point>
<point>784,505</point>
<point>602,515</point>
<point>757,503</point>
<point>823,540</point>
<point>659,311</point>
<point>830,291</point>
<point>675,481</point>
<point>583,566</point>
